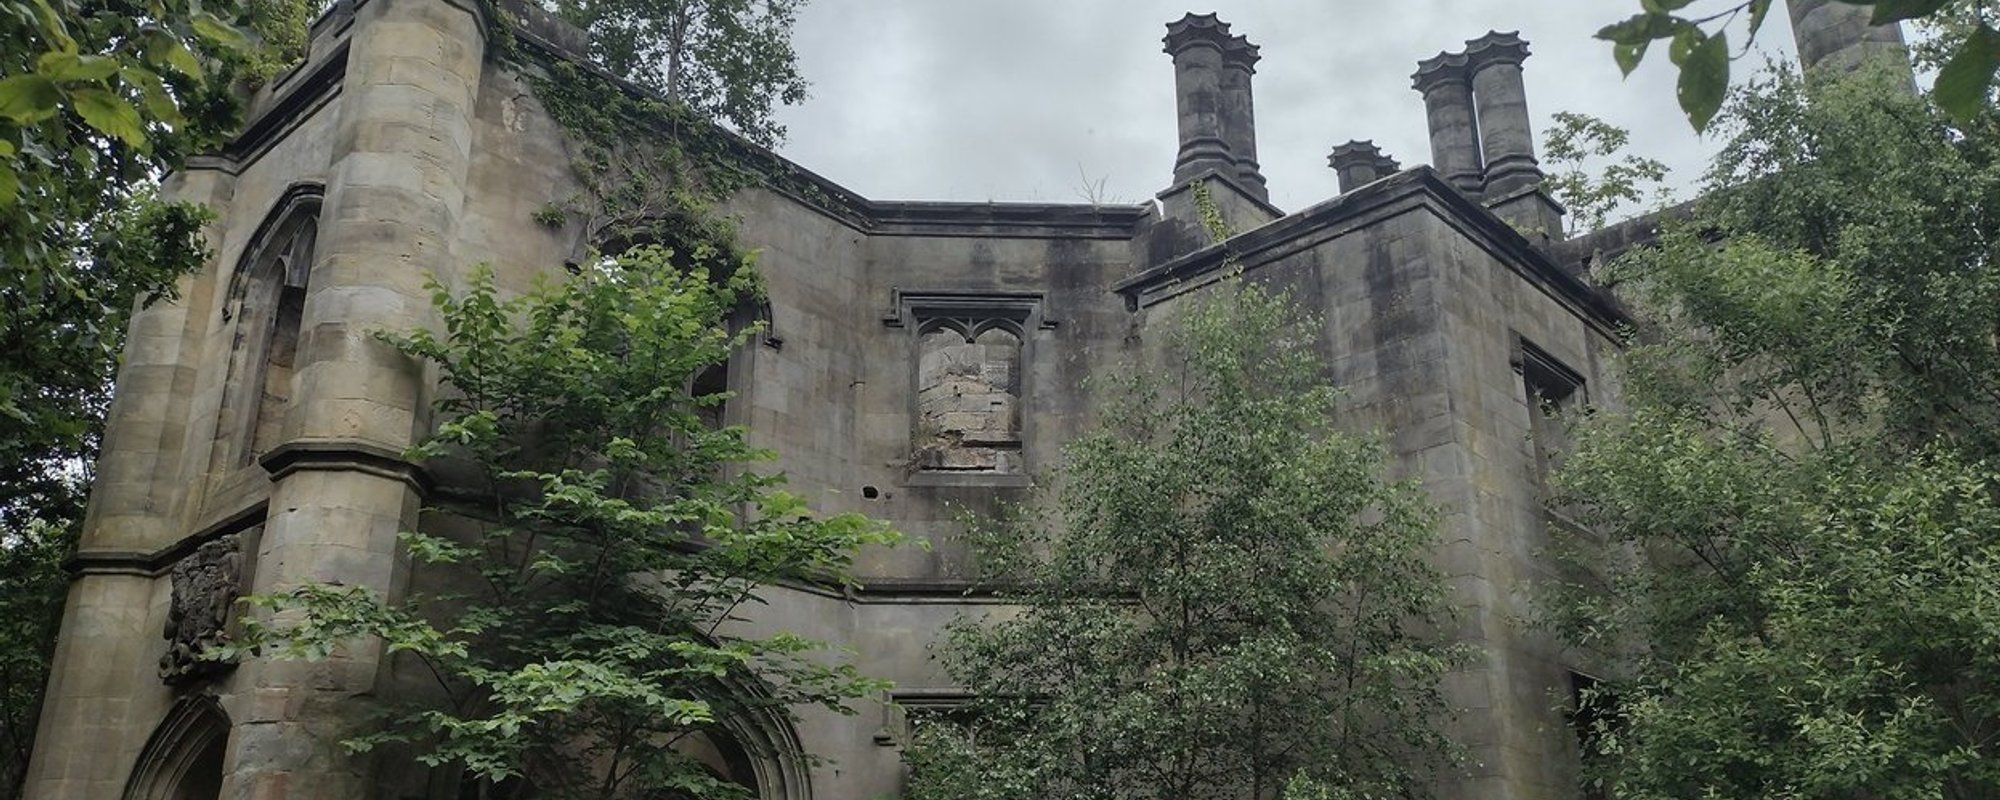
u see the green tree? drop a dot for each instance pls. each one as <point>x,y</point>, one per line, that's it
<point>612,534</point>
<point>1801,497</point>
<point>96,101</point>
<point>1221,598</point>
<point>1591,174</point>
<point>1966,45</point>
<point>728,60</point>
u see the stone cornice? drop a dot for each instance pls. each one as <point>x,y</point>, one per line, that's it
<point>156,563</point>
<point>1496,47</point>
<point>296,97</point>
<point>1239,52</point>
<point>1442,69</point>
<point>343,455</point>
<point>1416,189</point>
<point>1196,30</point>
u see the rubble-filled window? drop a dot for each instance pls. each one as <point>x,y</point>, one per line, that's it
<point>969,398</point>
<point>970,354</point>
<point>1553,391</point>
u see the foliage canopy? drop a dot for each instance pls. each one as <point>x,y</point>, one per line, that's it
<point>581,617</point>
<point>1221,598</point>
<point>1966,50</point>
<point>1801,500</point>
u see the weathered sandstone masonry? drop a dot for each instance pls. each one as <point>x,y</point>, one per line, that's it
<point>920,359</point>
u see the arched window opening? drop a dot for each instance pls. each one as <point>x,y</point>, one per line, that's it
<point>266,309</point>
<point>281,352</point>
<point>722,757</point>
<point>185,757</point>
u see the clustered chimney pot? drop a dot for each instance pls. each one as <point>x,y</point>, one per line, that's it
<point>1447,89</point>
<point>1360,163</point>
<point>1837,36</point>
<point>1506,133</point>
<point>1239,117</point>
<point>1212,71</point>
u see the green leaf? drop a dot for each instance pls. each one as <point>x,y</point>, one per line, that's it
<point>10,185</point>
<point>1642,28</point>
<point>53,27</point>
<point>153,95</point>
<point>1704,79</point>
<point>214,29</point>
<point>1684,43</point>
<point>1962,84</point>
<point>28,99</point>
<point>110,115</point>
<point>1760,10</point>
<point>67,67</point>
<point>166,51</point>
<point>1628,56</point>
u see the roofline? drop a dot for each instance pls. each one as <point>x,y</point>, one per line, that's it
<point>1418,187</point>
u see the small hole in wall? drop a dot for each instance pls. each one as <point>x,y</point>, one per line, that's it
<point>870,492</point>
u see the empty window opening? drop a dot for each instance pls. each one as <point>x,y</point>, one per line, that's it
<point>1553,392</point>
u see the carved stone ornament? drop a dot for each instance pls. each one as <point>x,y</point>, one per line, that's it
<point>206,583</point>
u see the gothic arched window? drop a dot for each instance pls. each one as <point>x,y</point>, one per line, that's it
<point>968,397</point>
<point>183,760</point>
<point>265,307</point>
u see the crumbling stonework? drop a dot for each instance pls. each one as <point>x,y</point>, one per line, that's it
<point>968,401</point>
<point>205,586</point>
<point>256,437</point>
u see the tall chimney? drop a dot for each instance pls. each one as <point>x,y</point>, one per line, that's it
<point>1505,131</point>
<point>1239,118</point>
<point>1360,163</point>
<point>1197,43</point>
<point>1447,90</point>
<point>1837,36</point>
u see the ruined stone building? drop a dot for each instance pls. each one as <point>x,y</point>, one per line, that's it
<point>919,354</point>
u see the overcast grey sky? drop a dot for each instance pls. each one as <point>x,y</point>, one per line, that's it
<point>1020,99</point>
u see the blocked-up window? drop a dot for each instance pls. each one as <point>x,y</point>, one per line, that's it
<point>968,398</point>
<point>970,353</point>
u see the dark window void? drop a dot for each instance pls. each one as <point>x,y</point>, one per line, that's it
<point>1593,714</point>
<point>713,384</point>
<point>185,757</point>
<point>1553,391</point>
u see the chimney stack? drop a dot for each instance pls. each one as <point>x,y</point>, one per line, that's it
<point>1447,90</point>
<point>1837,36</point>
<point>1360,163</point>
<point>1482,140</point>
<point>1197,43</point>
<point>1506,133</point>
<point>1239,118</point>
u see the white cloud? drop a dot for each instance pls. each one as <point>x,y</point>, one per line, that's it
<point>989,100</point>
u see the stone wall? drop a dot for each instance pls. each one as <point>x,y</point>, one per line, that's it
<point>921,361</point>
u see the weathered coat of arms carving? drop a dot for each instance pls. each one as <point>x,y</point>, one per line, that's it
<point>206,584</point>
